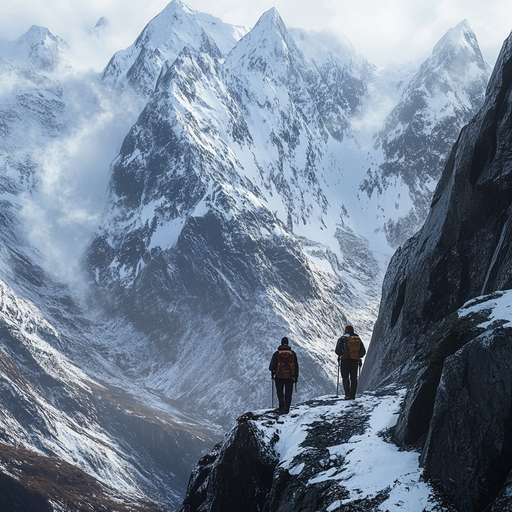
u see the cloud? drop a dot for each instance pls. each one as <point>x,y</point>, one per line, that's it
<point>64,211</point>
<point>384,32</point>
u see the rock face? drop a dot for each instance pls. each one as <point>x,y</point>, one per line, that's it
<point>473,399</point>
<point>457,366</point>
<point>235,476</point>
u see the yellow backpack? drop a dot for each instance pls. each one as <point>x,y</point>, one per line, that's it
<point>353,346</point>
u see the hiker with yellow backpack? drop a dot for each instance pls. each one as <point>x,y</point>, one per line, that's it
<point>285,372</point>
<point>350,350</point>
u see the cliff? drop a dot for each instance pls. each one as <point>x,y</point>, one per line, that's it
<point>455,364</point>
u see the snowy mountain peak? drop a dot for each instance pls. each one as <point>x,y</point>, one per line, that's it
<point>271,16</point>
<point>101,28</point>
<point>460,35</point>
<point>39,47</point>
<point>269,22</point>
<point>267,48</point>
<point>457,48</point>
<point>178,5</point>
<point>162,40</point>
<point>101,22</point>
<point>444,94</point>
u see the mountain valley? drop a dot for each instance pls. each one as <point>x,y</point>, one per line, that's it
<point>167,221</point>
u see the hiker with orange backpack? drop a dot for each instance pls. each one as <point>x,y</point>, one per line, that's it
<point>285,372</point>
<point>350,350</point>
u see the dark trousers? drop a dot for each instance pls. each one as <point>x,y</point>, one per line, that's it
<point>284,388</point>
<point>349,377</point>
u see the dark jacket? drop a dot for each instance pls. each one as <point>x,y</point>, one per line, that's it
<point>342,346</point>
<point>273,362</point>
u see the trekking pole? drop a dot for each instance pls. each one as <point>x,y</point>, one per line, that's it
<point>272,389</point>
<point>338,380</point>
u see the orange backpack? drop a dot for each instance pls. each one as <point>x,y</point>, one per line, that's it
<point>285,365</point>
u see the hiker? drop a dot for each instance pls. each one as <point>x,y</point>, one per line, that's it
<point>285,372</point>
<point>350,350</point>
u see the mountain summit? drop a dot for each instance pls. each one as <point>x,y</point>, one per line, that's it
<point>162,40</point>
<point>38,47</point>
<point>418,133</point>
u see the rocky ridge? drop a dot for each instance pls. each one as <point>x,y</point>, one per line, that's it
<point>326,454</point>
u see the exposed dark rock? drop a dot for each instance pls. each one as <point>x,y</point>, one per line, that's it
<point>452,334</point>
<point>469,444</point>
<point>235,476</point>
<point>458,375</point>
<point>504,499</point>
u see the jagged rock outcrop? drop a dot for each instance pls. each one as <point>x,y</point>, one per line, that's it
<point>326,455</point>
<point>473,400</point>
<point>457,367</point>
<point>236,475</point>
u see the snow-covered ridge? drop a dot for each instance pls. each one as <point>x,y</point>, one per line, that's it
<point>176,27</point>
<point>329,452</point>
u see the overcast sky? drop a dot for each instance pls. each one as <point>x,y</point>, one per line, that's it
<point>383,32</point>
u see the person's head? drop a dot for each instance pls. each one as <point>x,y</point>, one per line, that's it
<point>349,329</point>
<point>284,341</point>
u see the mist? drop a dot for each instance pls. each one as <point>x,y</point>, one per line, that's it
<point>63,211</point>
